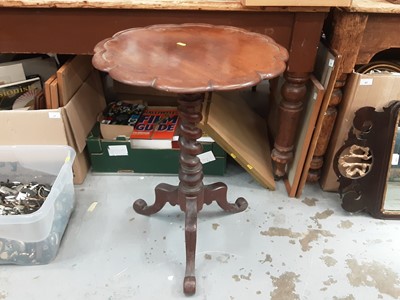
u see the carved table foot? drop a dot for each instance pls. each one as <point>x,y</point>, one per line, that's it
<point>217,191</point>
<point>164,193</point>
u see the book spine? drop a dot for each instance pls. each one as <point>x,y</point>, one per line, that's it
<point>155,124</point>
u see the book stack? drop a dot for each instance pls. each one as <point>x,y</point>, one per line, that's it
<point>146,127</point>
<point>156,128</point>
<point>18,91</point>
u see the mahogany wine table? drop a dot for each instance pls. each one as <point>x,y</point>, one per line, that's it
<point>190,59</point>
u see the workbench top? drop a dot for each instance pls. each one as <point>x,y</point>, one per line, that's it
<point>374,6</point>
<point>230,5</point>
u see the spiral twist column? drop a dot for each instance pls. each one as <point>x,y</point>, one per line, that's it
<point>191,169</point>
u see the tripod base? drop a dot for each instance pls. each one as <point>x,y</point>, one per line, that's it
<point>191,205</point>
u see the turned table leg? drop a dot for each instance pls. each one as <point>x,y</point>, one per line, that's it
<point>191,194</point>
<point>293,91</point>
<point>328,123</point>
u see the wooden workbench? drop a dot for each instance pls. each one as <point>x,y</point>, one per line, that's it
<point>356,33</point>
<point>74,27</point>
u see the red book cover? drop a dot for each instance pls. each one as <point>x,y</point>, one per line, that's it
<point>156,126</point>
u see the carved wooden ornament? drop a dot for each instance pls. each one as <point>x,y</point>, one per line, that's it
<point>363,162</point>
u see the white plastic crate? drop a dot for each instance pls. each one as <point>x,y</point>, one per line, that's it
<point>34,238</point>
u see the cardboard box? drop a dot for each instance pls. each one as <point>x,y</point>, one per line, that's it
<point>68,125</point>
<point>375,90</point>
<point>117,156</point>
<point>112,131</point>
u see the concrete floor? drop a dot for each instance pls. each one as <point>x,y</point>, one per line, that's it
<point>279,248</point>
